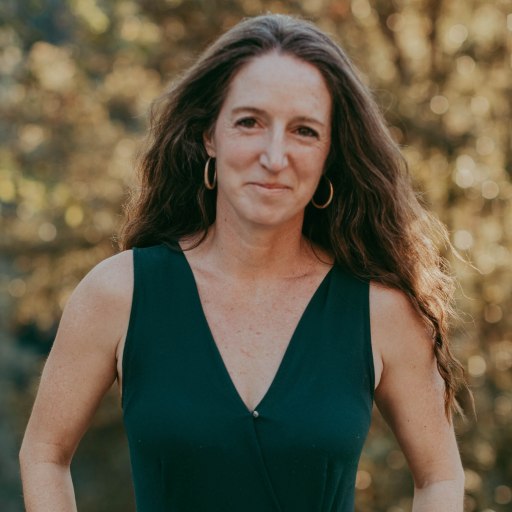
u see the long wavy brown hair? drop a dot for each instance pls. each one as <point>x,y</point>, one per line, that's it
<point>375,226</point>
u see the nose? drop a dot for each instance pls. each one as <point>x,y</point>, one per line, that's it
<point>274,155</point>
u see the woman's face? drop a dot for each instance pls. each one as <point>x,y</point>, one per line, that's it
<point>271,140</point>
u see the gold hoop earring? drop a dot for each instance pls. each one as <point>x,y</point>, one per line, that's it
<point>329,199</point>
<point>209,185</point>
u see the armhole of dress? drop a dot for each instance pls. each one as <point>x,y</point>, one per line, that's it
<point>368,337</point>
<point>129,349</point>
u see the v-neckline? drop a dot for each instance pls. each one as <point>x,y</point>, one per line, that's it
<point>287,353</point>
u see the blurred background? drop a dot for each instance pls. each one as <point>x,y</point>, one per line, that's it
<point>76,80</point>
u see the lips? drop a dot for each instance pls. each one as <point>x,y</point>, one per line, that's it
<point>271,186</point>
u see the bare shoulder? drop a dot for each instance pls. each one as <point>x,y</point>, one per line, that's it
<point>401,342</point>
<point>103,298</point>
<point>111,278</point>
<point>386,301</point>
<point>397,327</point>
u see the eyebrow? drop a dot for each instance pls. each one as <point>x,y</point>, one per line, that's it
<point>259,111</point>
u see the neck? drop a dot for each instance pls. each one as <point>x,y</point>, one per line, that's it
<point>257,252</point>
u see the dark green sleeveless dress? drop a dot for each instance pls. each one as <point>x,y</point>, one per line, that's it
<point>194,445</point>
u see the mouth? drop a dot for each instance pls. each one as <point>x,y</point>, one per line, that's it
<point>270,186</point>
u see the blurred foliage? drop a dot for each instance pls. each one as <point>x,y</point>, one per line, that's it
<point>76,80</point>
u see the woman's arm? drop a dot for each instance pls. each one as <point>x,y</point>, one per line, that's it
<point>80,369</point>
<point>410,396</point>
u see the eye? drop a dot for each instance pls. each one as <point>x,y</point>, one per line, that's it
<point>305,131</point>
<point>246,122</point>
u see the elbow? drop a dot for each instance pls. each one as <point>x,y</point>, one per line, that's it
<point>33,453</point>
<point>449,471</point>
<point>456,479</point>
<point>26,460</point>
<point>24,453</point>
<point>461,478</point>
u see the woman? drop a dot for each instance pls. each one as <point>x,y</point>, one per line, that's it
<point>278,275</point>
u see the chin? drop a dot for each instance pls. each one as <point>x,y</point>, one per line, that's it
<point>272,218</point>
<point>270,214</point>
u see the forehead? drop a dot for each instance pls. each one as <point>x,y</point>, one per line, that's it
<point>279,81</point>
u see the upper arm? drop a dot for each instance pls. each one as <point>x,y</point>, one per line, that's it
<point>410,394</point>
<point>81,366</point>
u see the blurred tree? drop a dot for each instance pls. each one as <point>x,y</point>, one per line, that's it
<point>76,80</point>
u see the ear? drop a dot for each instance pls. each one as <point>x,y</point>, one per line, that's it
<point>209,142</point>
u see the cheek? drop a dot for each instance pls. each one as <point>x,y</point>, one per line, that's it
<point>312,164</point>
<point>235,152</point>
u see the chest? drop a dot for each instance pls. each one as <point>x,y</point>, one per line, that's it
<point>252,327</point>
<point>298,353</point>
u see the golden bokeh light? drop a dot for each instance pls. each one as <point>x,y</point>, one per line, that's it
<point>75,89</point>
